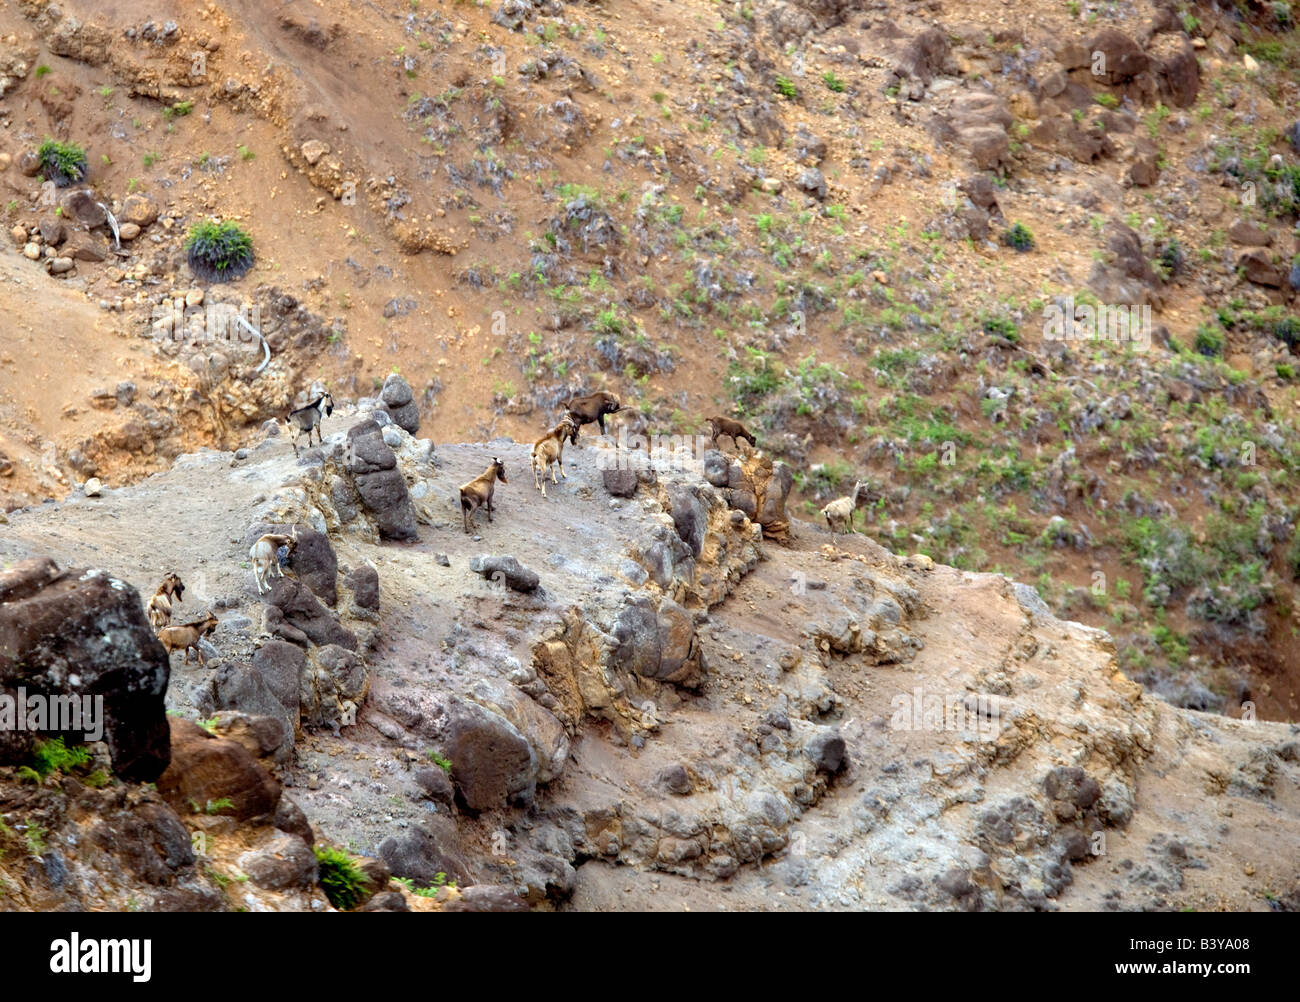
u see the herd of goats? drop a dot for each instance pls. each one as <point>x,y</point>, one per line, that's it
<point>272,551</point>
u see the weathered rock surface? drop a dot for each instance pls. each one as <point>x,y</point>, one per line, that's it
<point>53,628</point>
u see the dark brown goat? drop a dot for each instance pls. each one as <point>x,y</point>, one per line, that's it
<point>736,430</point>
<point>589,409</point>
<point>478,493</point>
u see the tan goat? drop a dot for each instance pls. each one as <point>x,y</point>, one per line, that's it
<point>159,608</point>
<point>478,493</point>
<point>549,449</point>
<point>178,638</point>
<point>263,555</point>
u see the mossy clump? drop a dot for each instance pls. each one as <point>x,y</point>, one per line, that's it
<point>340,878</point>
<point>219,252</point>
<point>62,163</point>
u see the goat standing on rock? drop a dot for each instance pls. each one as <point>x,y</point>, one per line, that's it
<point>308,419</point>
<point>159,608</point>
<point>478,493</point>
<point>591,408</point>
<point>264,554</point>
<point>549,450</point>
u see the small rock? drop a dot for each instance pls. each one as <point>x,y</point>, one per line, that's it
<point>442,560</point>
<point>32,252</point>
<point>94,488</point>
<point>52,230</point>
<point>313,150</point>
<point>128,232</point>
<point>19,234</point>
<point>139,209</point>
<point>59,265</point>
<point>194,297</point>
<point>505,569</point>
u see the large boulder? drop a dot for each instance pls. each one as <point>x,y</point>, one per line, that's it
<point>291,604</point>
<point>486,898</point>
<point>315,564</point>
<point>380,485</point>
<point>1258,268</point>
<point>207,771</point>
<point>283,862</point>
<point>399,400</point>
<point>1177,70</point>
<point>491,762</point>
<point>363,582</point>
<point>1129,278</point>
<point>426,851</point>
<point>269,687</point>
<point>979,121</point>
<point>74,634</point>
<point>657,642</point>
<point>689,517</point>
<point>333,686</point>
<point>1115,57</point>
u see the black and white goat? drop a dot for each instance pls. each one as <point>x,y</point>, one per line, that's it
<point>308,419</point>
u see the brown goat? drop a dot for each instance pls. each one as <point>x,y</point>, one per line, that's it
<point>177,638</point>
<point>159,608</point>
<point>478,493</point>
<point>591,408</point>
<point>549,449</point>
<point>734,429</point>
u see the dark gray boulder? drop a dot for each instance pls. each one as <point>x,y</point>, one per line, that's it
<point>79,633</point>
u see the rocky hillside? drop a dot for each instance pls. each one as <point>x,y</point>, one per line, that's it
<point>652,689</point>
<point>853,224</point>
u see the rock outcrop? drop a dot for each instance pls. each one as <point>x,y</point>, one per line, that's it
<point>75,644</point>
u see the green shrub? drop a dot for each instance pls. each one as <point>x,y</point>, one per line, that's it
<point>53,756</point>
<point>1003,328</point>
<point>786,88</point>
<point>340,878</point>
<point>441,762</point>
<point>1287,330</point>
<point>832,82</point>
<point>62,163</point>
<point>219,252</point>
<point>1209,341</point>
<point>1019,237</point>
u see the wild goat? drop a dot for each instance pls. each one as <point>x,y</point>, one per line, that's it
<point>159,608</point>
<point>591,408</point>
<point>308,419</point>
<point>478,493</point>
<point>182,638</point>
<point>841,510</point>
<point>263,553</point>
<point>549,449</point>
<point>734,429</point>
